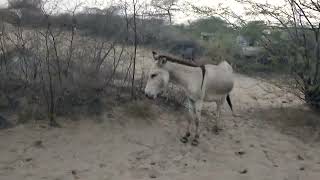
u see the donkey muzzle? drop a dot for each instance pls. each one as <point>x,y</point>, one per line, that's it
<point>150,96</point>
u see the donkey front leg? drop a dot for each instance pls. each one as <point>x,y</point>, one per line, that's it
<point>191,108</point>
<point>198,108</point>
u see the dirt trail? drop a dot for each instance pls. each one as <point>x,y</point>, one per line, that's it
<point>263,142</point>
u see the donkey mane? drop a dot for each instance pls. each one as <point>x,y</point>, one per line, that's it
<point>178,61</point>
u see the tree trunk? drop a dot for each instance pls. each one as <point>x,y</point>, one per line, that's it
<point>135,48</point>
<point>170,17</point>
<point>316,76</point>
<point>51,99</point>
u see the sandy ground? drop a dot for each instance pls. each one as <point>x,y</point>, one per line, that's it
<point>273,137</point>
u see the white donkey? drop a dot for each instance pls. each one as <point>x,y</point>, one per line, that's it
<point>209,83</point>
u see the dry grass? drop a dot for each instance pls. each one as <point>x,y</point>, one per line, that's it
<point>139,109</point>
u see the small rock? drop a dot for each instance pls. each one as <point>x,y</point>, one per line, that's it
<point>302,169</point>
<point>153,176</point>
<point>240,153</point>
<point>204,160</point>
<point>263,146</point>
<point>244,171</point>
<point>28,159</point>
<point>152,163</point>
<point>185,164</point>
<point>74,172</point>
<point>238,141</point>
<point>299,157</point>
<point>38,144</point>
<point>284,102</point>
<point>102,165</point>
<point>251,145</point>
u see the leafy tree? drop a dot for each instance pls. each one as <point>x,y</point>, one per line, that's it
<point>165,7</point>
<point>253,31</point>
<point>29,11</point>
<point>212,25</point>
<point>28,4</point>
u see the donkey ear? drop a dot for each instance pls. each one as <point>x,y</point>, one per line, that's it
<point>154,54</point>
<point>162,60</point>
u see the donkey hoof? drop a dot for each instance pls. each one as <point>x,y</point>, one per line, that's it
<point>184,139</point>
<point>195,142</point>
<point>216,130</point>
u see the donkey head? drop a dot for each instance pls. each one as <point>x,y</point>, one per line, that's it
<point>158,77</point>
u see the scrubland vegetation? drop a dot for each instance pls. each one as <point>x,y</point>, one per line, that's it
<point>84,68</point>
<point>53,62</point>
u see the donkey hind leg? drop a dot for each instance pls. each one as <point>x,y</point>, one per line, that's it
<point>198,108</point>
<point>218,126</point>
<point>191,108</point>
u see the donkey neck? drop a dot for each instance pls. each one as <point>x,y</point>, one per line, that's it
<point>182,74</point>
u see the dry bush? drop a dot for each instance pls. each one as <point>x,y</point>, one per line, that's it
<point>60,69</point>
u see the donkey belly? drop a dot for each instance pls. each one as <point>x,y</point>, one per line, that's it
<point>214,97</point>
<point>218,87</point>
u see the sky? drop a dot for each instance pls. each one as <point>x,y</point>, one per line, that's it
<point>180,17</point>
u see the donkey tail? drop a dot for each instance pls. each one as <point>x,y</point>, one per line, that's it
<point>229,102</point>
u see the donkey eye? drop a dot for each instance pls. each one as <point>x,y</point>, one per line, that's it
<point>153,75</point>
